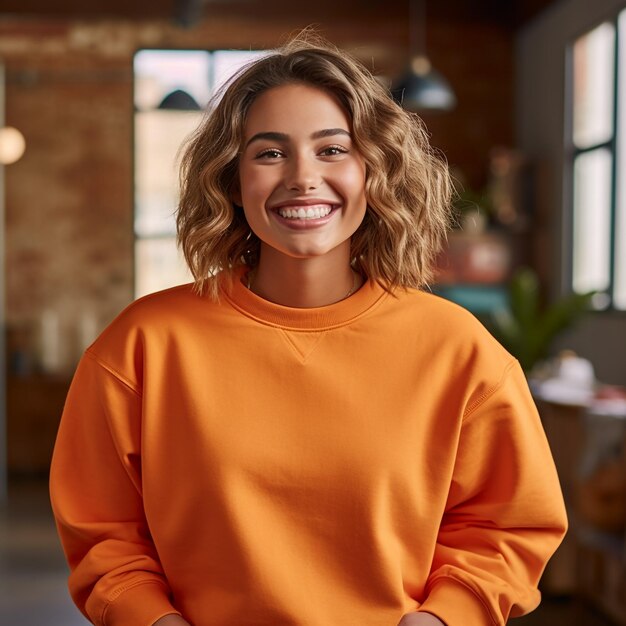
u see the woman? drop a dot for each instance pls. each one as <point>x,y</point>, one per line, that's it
<point>306,436</point>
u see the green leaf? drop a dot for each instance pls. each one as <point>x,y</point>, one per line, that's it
<point>525,330</point>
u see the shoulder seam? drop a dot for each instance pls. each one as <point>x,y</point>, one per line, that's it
<point>121,378</point>
<point>487,394</point>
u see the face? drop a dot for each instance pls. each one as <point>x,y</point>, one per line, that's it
<point>301,181</point>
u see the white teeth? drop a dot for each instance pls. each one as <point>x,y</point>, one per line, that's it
<point>308,213</point>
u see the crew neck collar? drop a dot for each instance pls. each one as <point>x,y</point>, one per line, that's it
<point>315,318</point>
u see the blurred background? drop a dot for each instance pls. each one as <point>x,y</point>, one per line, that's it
<point>527,101</point>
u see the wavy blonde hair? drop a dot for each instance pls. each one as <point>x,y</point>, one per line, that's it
<point>408,186</point>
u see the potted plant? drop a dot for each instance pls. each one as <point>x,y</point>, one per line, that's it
<point>525,328</point>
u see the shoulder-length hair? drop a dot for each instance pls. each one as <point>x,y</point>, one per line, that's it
<point>408,186</point>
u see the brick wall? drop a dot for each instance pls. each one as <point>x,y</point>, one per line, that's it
<point>69,88</point>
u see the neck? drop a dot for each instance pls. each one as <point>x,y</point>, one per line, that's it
<point>304,283</point>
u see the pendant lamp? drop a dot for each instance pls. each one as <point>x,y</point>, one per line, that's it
<point>179,100</point>
<point>422,88</point>
<point>12,145</point>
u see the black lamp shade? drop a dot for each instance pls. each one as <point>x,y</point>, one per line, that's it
<point>179,100</point>
<point>424,89</point>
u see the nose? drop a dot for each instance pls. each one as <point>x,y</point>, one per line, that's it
<point>303,174</point>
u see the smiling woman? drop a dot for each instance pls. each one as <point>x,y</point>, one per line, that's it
<point>407,186</point>
<point>305,436</point>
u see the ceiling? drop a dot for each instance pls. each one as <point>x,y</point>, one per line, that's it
<point>512,13</point>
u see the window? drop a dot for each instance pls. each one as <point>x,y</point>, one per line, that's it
<point>597,141</point>
<point>172,87</point>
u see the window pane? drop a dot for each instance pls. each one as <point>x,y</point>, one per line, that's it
<point>158,137</point>
<point>619,296</point>
<point>160,130</point>
<point>593,86</point>
<point>227,62</point>
<point>171,89</point>
<point>592,210</point>
<point>160,72</point>
<point>158,265</point>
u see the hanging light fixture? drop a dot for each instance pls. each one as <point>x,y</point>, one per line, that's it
<point>179,100</point>
<point>422,88</point>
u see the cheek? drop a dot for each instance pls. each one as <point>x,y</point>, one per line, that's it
<point>353,174</point>
<point>354,180</point>
<point>255,192</point>
<point>248,182</point>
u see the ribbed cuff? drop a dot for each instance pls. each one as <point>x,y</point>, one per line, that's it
<point>456,605</point>
<point>139,605</point>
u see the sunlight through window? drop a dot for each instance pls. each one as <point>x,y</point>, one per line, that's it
<point>172,90</point>
<point>598,158</point>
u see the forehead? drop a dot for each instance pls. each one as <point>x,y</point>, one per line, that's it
<point>295,108</point>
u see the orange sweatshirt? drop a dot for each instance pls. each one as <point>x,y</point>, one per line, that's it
<point>248,463</point>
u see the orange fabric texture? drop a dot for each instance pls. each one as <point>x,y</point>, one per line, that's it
<point>244,462</point>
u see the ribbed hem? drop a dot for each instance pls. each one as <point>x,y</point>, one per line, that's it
<point>454,603</point>
<point>315,318</point>
<point>140,605</point>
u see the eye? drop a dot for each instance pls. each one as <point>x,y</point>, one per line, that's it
<point>333,151</point>
<point>269,153</point>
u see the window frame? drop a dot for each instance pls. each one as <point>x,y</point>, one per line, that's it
<point>572,152</point>
<point>213,86</point>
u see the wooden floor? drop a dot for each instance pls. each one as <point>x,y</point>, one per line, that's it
<point>33,573</point>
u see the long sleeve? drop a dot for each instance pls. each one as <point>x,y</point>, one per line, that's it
<point>346,465</point>
<point>116,578</point>
<point>504,516</point>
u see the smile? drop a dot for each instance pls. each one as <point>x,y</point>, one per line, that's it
<point>314,212</point>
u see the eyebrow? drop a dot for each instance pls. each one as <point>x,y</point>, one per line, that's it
<point>318,134</point>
